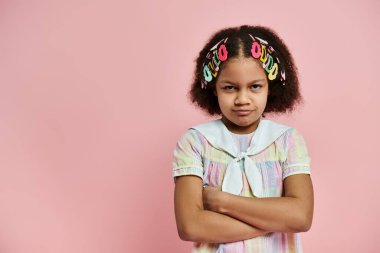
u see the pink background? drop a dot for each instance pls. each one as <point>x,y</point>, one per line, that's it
<point>93,99</point>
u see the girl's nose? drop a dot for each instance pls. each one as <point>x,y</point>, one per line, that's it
<point>242,98</point>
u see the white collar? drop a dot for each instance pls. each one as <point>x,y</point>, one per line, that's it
<point>221,138</point>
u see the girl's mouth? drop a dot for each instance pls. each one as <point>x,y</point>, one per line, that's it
<point>242,112</point>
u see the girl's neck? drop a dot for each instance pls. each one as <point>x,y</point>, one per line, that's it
<point>232,127</point>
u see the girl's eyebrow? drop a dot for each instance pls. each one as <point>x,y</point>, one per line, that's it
<point>230,82</point>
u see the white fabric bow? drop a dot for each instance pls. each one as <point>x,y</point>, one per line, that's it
<point>220,137</point>
<point>233,178</point>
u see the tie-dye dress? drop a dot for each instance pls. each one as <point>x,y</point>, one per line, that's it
<point>287,155</point>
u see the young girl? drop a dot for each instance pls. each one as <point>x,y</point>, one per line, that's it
<point>242,182</point>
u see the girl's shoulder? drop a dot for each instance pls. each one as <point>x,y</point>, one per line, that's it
<point>214,133</point>
<point>191,135</point>
<point>292,139</point>
<point>191,139</point>
<point>287,137</point>
<point>289,131</point>
<point>198,136</point>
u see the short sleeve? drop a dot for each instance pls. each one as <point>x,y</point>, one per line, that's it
<point>187,155</point>
<point>297,158</point>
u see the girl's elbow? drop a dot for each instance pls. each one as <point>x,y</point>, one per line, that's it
<point>187,232</point>
<point>188,227</point>
<point>184,235</point>
<point>306,225</point>
<point>308,220</point>
<point>303,224</point>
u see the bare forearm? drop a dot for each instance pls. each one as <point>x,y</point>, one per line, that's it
<point>282,214</point>
<point>196,223</point>
<point>291,213</point>
<point>212,227</point>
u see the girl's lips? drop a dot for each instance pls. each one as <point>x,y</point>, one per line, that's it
<point>242,112</point>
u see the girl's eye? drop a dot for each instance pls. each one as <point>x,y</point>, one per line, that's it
<point>256,86</point>
<point>228,87</point>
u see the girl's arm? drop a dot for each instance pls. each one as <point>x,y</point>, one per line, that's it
<point>291,213</point>
<point>196,224</point>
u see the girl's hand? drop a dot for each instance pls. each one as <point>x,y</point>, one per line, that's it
<point>213,199</point>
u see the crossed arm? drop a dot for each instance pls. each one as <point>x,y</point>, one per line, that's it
<point>214,216</point>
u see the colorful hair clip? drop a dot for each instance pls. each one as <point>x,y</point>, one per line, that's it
<point>217,54</point>
<point>261,50</point>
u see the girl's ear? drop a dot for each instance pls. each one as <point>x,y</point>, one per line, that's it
<point>215,94</point>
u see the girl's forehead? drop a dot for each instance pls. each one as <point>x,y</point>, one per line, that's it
<point>242,60</point>
<point>242,66</point>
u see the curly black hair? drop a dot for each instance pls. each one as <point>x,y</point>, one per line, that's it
<point>281,98</point>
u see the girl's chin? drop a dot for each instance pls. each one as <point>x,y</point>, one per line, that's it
<point>243,121</point>
<point>240,122</point>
